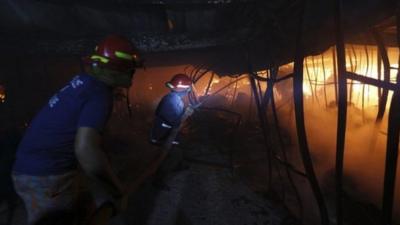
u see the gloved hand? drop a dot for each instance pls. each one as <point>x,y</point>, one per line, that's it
<point>119,201</point>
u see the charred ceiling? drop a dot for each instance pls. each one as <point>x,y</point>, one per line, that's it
<point>262,31</point>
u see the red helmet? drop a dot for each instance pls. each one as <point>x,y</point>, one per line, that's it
<point>180,82</point>
<point>115,53</point>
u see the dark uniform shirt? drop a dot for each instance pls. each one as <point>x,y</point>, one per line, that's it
<point>47,147</point>
<point>168,115</point>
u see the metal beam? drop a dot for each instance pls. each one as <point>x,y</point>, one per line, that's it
<point>372,81</point>
<point>300,125</point>
<point>392,145</point>
<point>386,73</point>
<point>342,110</point>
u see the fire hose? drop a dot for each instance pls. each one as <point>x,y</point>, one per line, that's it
<point>107,209</point>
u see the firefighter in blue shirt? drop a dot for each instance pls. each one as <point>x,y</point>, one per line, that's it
<point>168,116</point>
<point>65,137</point>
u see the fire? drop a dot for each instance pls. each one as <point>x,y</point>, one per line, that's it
<point>215,80</point>
<point>319,76</point>
<point>2,98</point>
<point>360,59</point>
<point>2,94</point>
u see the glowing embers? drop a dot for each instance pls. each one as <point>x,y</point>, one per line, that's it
<point>2,94</point>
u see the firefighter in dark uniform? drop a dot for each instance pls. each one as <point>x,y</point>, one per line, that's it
<point>64,139</point>
<point>168,116</point>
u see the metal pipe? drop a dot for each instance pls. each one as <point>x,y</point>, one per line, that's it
<point>282,146</point>
<point>379,62</point>
<point>315,71</point>
<point>372,81</point>
<point>284,78</point>
<point>324,73</point>
<point>300,125</point>
<point>355,57</point>
<point>342,110</point>
<point>363,88</point>
<point>250,105</point>
<point>352,70</point>
<point>335,80</point>
<point>234,93</point>
<point>386,73</point>
<point>260,92</point>
<point>209,84</point>
<point>309,79</point>
<point>263,122</point>
<point>392,145</point>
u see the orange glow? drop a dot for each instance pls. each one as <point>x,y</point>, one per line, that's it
<point>2,94</point>
<point>319,80</point>
<point>2,98</point>
<point>365,144</point>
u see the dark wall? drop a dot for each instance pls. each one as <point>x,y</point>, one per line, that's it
<point>30,81</point>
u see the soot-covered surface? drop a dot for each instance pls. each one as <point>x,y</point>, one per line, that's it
<point>204,194</point>
<point>209,192</point>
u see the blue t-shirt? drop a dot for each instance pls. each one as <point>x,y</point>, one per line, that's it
<point>47,147</point>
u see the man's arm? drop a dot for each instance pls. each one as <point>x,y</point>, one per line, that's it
<point>94,162</point>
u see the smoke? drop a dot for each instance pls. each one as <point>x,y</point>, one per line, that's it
<point>365,146</point>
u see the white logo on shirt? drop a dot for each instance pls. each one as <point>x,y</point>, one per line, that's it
<point>76,82</point>
<point>64,88</point>
<point>53,101</point>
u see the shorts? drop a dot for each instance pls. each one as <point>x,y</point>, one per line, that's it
<point>55,199</point>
